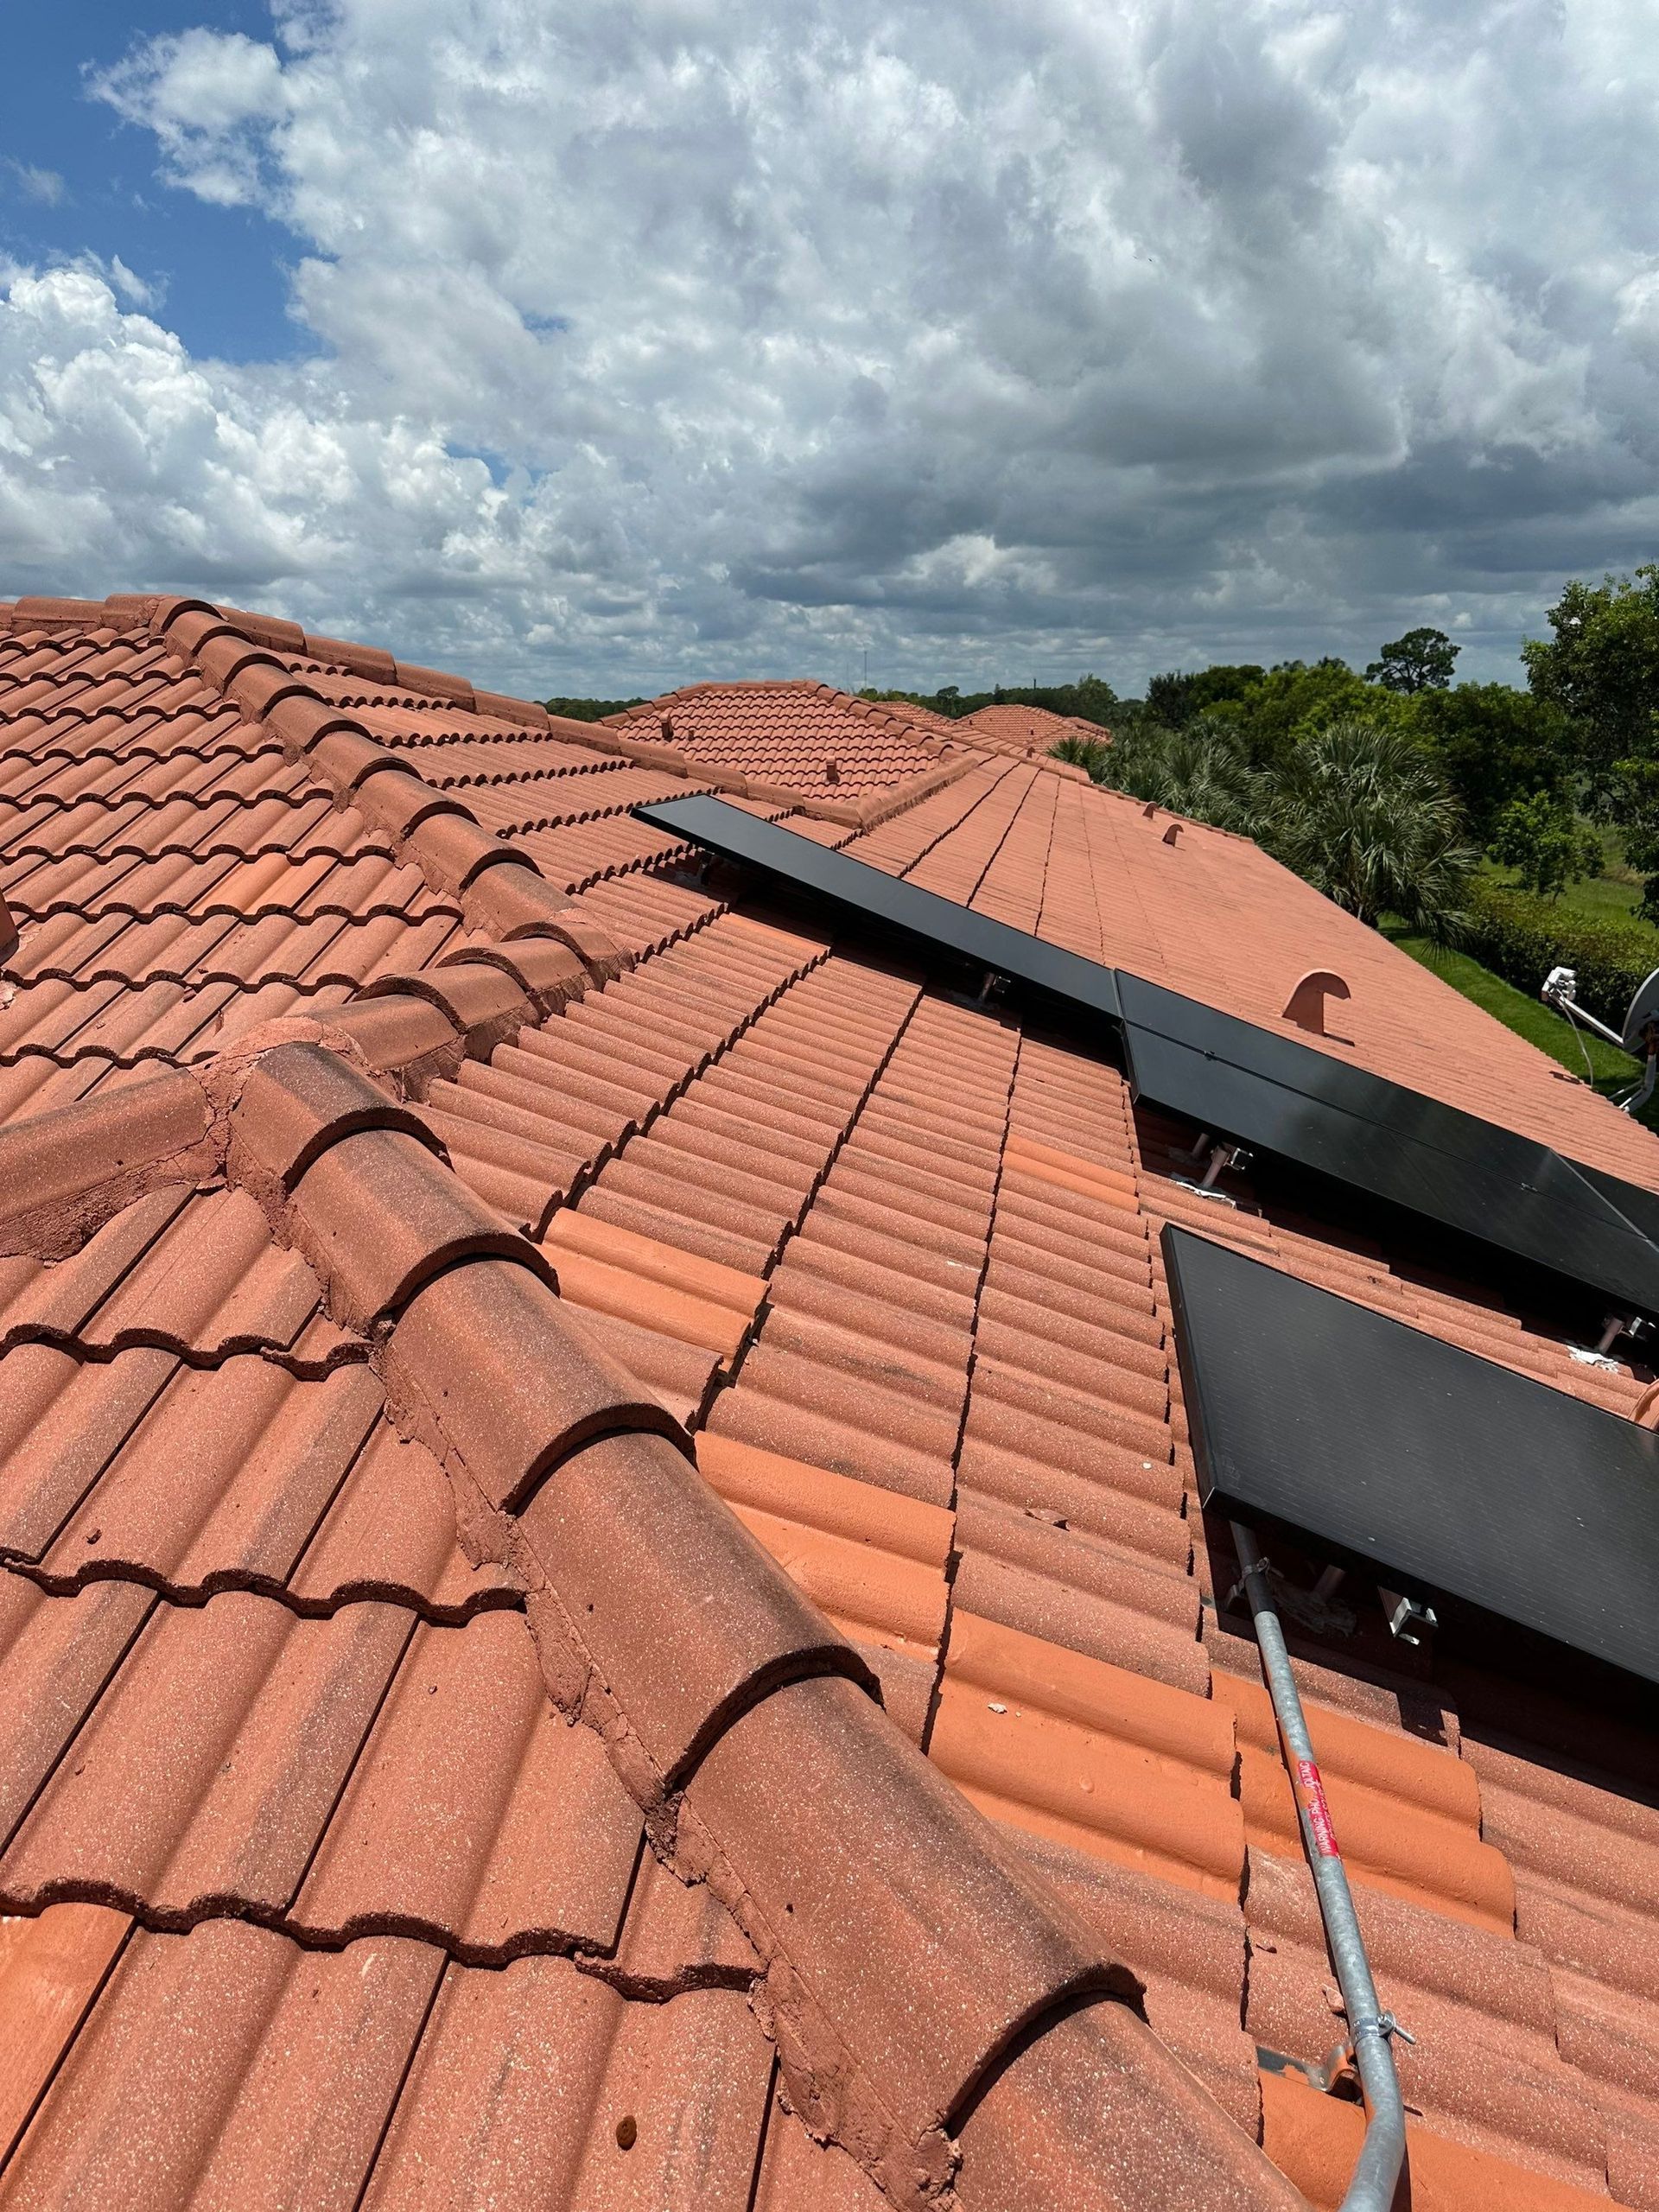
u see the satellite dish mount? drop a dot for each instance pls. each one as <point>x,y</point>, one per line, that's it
<point>1639,1036</point>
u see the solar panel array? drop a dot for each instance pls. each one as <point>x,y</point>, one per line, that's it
<point>1439,1470</point>
<point>1249,1084</point>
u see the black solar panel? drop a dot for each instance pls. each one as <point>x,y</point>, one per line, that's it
<point>1639,1207</point>
<point>1376,1136</point>
<point>1250,1085</point>
<point>929,922</point>
<point>1445,1473</point>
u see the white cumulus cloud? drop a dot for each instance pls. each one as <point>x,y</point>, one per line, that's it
<point>683,338</point>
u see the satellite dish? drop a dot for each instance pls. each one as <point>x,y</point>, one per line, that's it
<point>1644,1013</point>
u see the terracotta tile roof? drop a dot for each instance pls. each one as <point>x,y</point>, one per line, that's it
<point>802,737</point>
<point>1025,733</point>
<point>487,1419</point>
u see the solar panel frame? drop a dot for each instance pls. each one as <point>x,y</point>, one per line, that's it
<point>1639,1207</point>
<point>1402,1113</point>
<point>1557,1223</point>
<point>1440,1471</point>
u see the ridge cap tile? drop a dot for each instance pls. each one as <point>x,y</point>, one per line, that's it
<point>879,1884</point>
<point>378,1218</point>
<point>493,1372</point>
<point>678,1621</point>
<point>292,1104</point>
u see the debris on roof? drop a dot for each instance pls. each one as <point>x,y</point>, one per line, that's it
<point>602,1589</point>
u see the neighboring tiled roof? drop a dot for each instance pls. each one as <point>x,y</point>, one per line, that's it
<point>322,1510</point>
<point>1026,733</point>
<point>808,738</point>
<point>925,717</point>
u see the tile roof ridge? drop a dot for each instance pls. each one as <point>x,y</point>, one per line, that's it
<point>501,891</point>
<point>714,1683</point>
<point>45,616</point>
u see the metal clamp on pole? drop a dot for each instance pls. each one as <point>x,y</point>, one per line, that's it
<point>1383,2152</point>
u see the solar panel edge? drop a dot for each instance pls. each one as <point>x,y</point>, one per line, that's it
<point>923,915</point>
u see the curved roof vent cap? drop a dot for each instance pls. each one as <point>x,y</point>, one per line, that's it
<point>1305,1005</point>
<point>1172,833</point>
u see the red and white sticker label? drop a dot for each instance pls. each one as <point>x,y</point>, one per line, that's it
<point>1319,1812</point>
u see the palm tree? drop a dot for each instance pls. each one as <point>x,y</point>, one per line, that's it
<point>1201,771</point>
<point>1089,752</point>
<point>1363,814</point>
<point>1206,776</point>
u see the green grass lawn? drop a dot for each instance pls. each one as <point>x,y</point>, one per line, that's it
<point>1612,896</point>
<point>1598,898</point>
<point>1528,1018</point>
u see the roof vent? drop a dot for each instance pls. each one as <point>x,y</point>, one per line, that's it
<point>1150,811</point>
<point>668,729</point>
<point>1305,1005</point>
<point>832,771</point>
<point>1172,833</point>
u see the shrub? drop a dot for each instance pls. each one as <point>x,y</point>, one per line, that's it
<point>1522,938</point>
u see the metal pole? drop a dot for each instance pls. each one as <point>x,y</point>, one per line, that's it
<point>1382,2151</point>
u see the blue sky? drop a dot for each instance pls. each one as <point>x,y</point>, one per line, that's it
<point>604,347</point>
<point>77,179</point>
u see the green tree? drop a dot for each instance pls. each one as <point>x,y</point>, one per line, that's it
<point>590,710</point>
<point>1542,839</point>
<point>1421,661</point>
<point>1168,696</point>
<point>1362,812</point>
<point>1095,698</point>
<point>1601,667</point>
<point>1092,754</point>
<point>1176,698</point>
<point>1205,774</point>
<point>1134,762</point>
<point>1201,771</point>
<point>1495,744</point>
<point>1296,700</point>
<point>1091,699</point>
<point>1634,790</point>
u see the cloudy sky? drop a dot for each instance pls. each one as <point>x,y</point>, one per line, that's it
<point>600,344</point>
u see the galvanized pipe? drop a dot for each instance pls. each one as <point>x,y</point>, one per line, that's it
<point>1383,2150</point>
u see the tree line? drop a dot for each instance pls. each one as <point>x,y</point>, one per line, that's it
<point>1385,786</point>
<point>1091,699</point>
